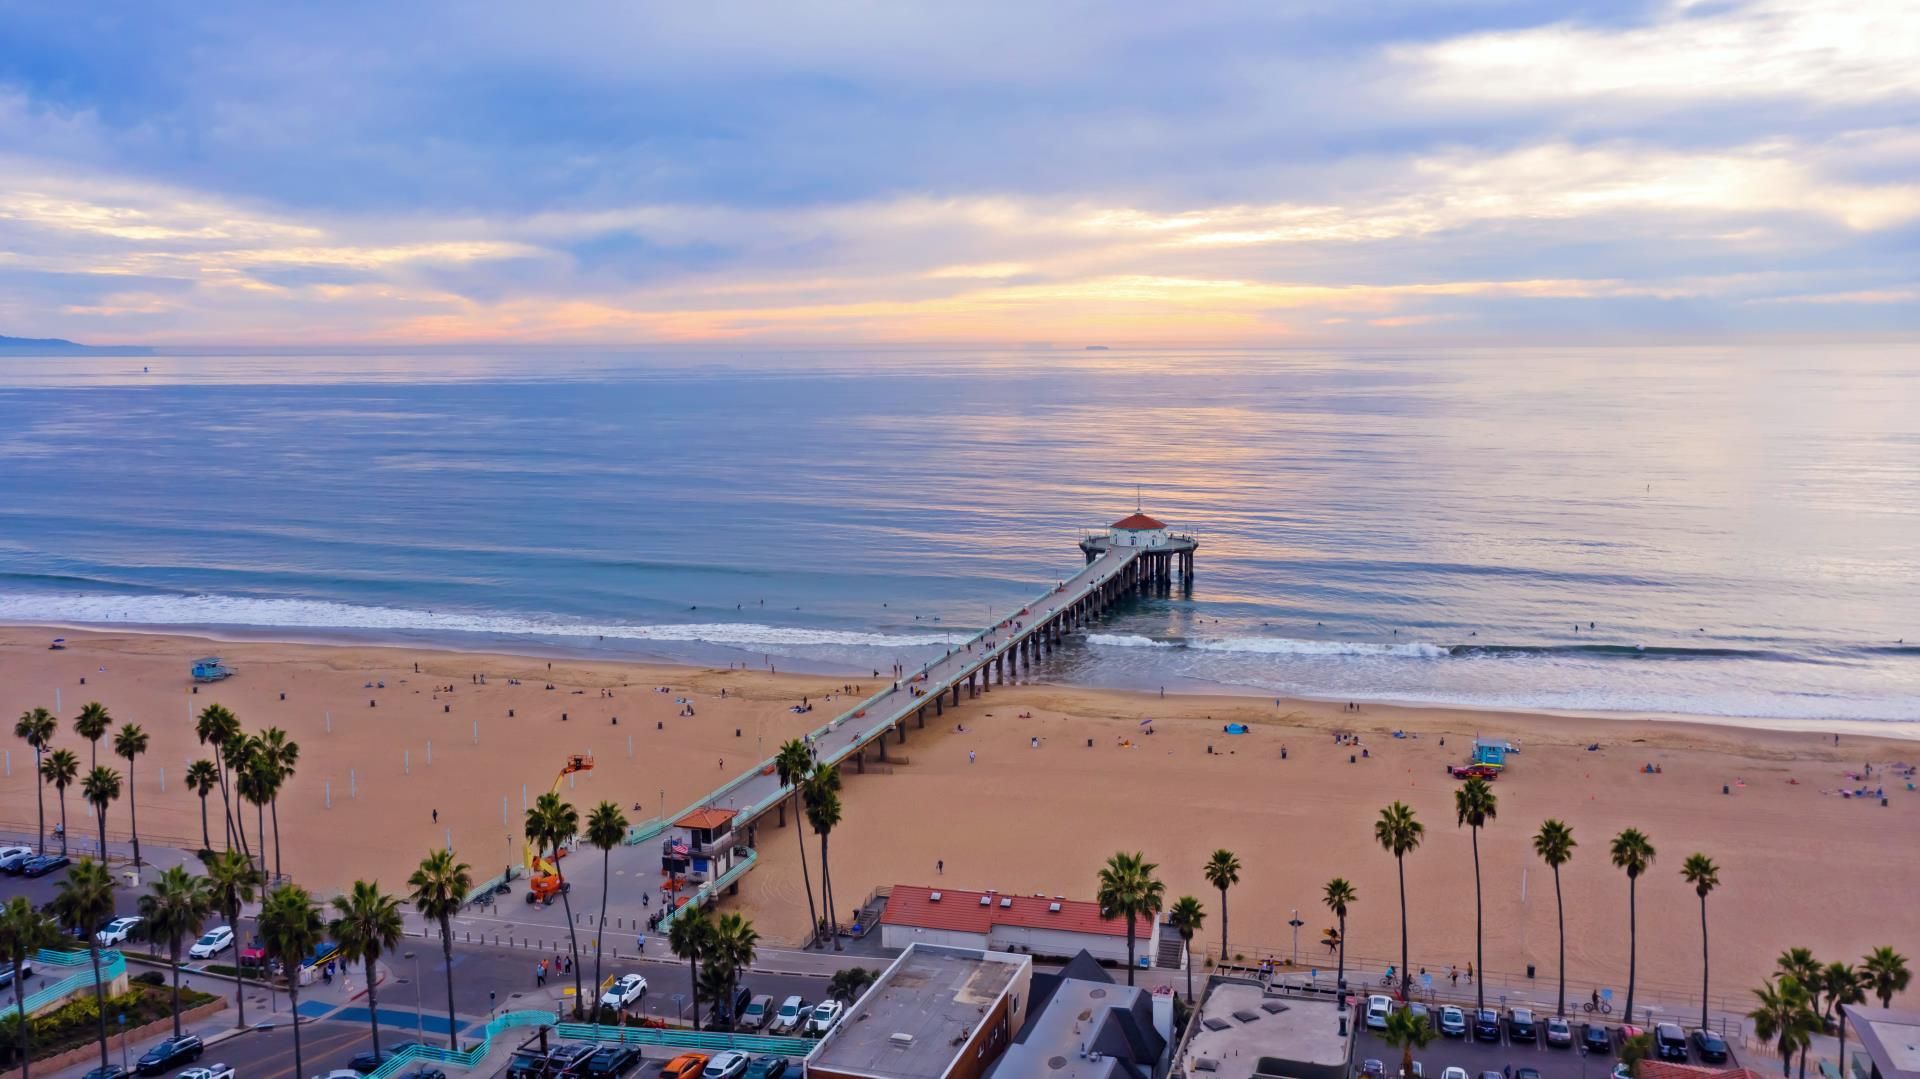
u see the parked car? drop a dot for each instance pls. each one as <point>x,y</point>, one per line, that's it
<point>1454,1073</point>
<point>1670,1042</point>
<point>1418,1072</point>
<point>1711,1047</point>
<point>209,1071</point>
<point>1596,1038</point>
<point>757,1013</point>
<point>118,931</point>
<point>111,1071</point>
<point>1520,1026</point>
<point>1622,1071</point>
<point>1373,1068</point>
<point>625,991</point>
<point>788,1019</point>
<point>1419,1011</point>
<point>212,943</point>
<point>1453,1022</point>
<point>767,1067</point>
<point>731,1064</point>
<point>1379,1006</point>
<point>724,1011</point>
<point>1486,1025</point>
<point>41,865</point>
<point>1526,1073</point>
<point>339,1073</point>
<point>11,858</point>
<point>824,1016</point>
<point>611,1062</point>
<point>364,1061</point>
<point>568,1059</point>
<point>684,1066</point>
<point>525,1064</point>
<point>6,972</point>
<point>424,1071</point>
<point>1559,1033</point>
<point>170,1054</point>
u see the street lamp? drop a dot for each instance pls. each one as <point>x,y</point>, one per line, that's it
<point>1296,923</point>
<point>419,1017</point>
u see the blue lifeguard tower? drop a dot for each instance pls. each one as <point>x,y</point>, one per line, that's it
<point>1491,754</point>
<point>210,669</point>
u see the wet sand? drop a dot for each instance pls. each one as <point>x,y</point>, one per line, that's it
<point>1798,865</point>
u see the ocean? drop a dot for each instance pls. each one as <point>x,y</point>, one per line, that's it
<point>1725,532</point>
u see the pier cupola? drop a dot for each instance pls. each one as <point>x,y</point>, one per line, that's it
<point>1137,530</point>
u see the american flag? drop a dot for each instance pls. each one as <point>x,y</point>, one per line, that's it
<point>681,849</point>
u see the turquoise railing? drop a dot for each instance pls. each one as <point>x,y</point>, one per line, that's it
<point>470,1058</point>
<point>711,888</point>
<point>112,965</point>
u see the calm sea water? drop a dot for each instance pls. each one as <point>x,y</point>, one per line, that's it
<point>1713,532</point>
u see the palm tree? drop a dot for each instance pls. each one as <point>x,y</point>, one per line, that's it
<point>1222,871</point>
<point>1554,844</point>
<point>1634,1051</point>
<point>61,768</point>
<point>440,886</point>
<point>1843,984</point>
<point>822,799</point>
<point>848,983</point>
<point>281,755</point>
<point>202,777</point>
<point>794,763</point>
<point>1699,871</point>
<point>1129,889</point>
<point>1474,805</point>
<point>37,727</point>
<point>1633,853</point>
<point>92,724</point>
<point>689,937</point>
<point>367,923</point>
<point>1406,1031</point>
<point>1399,833</point>
<point>258,784</point>
<point>733,944</point>
<point>85,900</point>
<point>1800,965</point>
<point>100,788</point>
<point>232,879</point>
<point>606,828</point>
<point>1887,974</point>
<point>174,910</point>
<point>129,742</point>
<point>1186,916</point>
<point>1784,1016</point>
<point>215,726</point>
<point>240,753</point>
<point>290,926</point>
<point>23,931</point>
<point>1338,896</point>
<point>550,824</point>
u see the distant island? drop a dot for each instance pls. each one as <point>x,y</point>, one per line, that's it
<point>57,346</point>
<point>1096,348</point>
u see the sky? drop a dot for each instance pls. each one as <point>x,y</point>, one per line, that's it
<point>1260,174</point>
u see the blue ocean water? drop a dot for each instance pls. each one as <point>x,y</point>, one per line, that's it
<point>1726,532</point>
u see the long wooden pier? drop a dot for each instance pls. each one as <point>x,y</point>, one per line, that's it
<point>1121,564</point>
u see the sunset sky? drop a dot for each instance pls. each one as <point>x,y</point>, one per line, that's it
<point>1225,174</point>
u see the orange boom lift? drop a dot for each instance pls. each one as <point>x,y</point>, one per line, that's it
<point>543,877</point>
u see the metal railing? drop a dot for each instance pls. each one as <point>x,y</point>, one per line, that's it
<point>711,888</point>
<point>112,965</point>
<point>667,1037</point>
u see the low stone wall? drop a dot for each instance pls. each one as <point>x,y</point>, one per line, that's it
<point>91,1050</point>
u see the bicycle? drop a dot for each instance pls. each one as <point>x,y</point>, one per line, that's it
<point>1389,977</point>
<point>1604,1007</point>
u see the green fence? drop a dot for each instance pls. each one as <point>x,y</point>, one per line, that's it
<point>702,1041</point>
<point>112,965</point>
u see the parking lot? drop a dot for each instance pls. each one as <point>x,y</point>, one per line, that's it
<point>1478,1057</point>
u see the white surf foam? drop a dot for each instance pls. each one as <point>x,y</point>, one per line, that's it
<point>211,610</point>
<point>1286,646</point>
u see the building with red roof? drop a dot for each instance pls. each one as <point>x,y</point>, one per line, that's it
<point>996,921</point>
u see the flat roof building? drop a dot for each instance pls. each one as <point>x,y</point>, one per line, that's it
<point>1082,1025</point>
<point>936,1013</point>
<point>1036,924</point>
<point>1890,1039</point>
<point>1243,1031</point>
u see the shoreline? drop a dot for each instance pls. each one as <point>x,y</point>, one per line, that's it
<point>526,649</point>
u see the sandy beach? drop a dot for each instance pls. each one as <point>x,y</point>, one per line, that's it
<point>1800,865</point>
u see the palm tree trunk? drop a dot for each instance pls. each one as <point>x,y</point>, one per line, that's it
<point>99,997</point>
<point>25,1028</point>
<point>239,986</point>
<point>133,812</point>
<point>63,822</point>
<point>1189,947</point>
<point>373,1008</point>
<point>40,791</point>
<point>826,882</point>
<point>1403,925</point>
<point>1843,1041</point>
<point>1703,964</point>
<point>573,934</point>
<point>693,961</point>
<point>1561,910</point>
<point>606,883</point>
<point>260,831</point>
<point>1343,953</point>
<point>446,950</point>
<point>1479,936</point>
<point>276,835</point>
<point>101,813</point>
<point>1633,944</point>
<point>293,1002</point>
<point>173,952</point>
<point>206,839</point>
<point>1224,956</point>
<point>813,916</point>
<point>226,803</point>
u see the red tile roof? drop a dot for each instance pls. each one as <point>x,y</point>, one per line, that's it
<point>1660,1069</point>
<point>1138,522</point>
<point>709,818</point>
<point>958,910</point>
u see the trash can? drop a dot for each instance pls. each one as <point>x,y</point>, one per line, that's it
<point>1529,971</point>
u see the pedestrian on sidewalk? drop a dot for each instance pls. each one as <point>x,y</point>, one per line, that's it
<point>1469,973</point>
<point>540,974</point>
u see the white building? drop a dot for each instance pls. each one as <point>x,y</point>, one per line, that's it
<point>991,921</point>
<point>1137,530</point>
